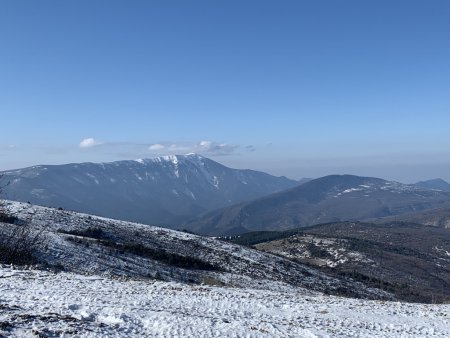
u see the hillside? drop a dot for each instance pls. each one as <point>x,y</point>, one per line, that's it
<point>439,217</point>
<point>410,260</point>
<point>327,199</point>
<point>86,244</point>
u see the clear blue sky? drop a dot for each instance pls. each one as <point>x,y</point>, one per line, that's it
<point>296,88</point>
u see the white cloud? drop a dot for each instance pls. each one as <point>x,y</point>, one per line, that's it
<point>89,143</point>
<point>214,148</point>
<point>205,144</point>
<point>156,146</point>
<point>204,147</point>
<point>124,150</point>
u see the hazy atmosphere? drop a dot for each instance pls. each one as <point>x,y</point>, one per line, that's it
<point>294,88</point>
<point>128,128</point>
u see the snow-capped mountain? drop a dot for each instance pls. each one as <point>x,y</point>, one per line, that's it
<point>164,190</point>
<point>328,199</point>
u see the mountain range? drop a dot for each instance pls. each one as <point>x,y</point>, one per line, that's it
<point>328,199</point>
<point>165,191</point>
<point>200,195</point>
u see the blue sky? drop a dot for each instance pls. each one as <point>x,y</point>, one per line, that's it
<point>298,88</point>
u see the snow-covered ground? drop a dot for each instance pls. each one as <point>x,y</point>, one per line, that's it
<point>39,303</point>
<point>236,265</point>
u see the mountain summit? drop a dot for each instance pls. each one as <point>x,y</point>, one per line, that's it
<point>165,190</point>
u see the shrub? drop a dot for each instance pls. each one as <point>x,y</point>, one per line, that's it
<point>18,244</point>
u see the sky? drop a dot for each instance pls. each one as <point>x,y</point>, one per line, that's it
<point>300,88</point>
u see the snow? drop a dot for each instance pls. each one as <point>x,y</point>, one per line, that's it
<point>109,295</point>
<point>169,158</point>
<point>297,248</point>
<point>393,187</point>
<point>350,190</point>
<point>216,182</point>
<point>93,177</point>
<point>35,302</point>
<point>104,293</point>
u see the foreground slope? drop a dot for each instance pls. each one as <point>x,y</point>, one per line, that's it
<point>165,190</point>
<point>37,303</point>
<point>327,199</point>
<point>87,244</point>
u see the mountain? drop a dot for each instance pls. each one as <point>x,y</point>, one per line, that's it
<point>410,260</point>
<point>165,190</point>
<point>437,183</point>
<point>328,199</point>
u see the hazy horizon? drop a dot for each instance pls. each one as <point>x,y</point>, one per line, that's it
<point>298,88</point>
<point>293,171</point>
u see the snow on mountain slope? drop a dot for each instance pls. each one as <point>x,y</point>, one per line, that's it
<point>38,303</point>
<point>94,245</point>
<point>164,190</point>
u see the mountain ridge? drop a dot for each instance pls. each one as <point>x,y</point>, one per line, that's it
<point>165,190</point>
<point>328,199</point>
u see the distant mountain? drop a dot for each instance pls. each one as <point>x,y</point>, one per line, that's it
<point>164,191</point>
<point>328,199</point>
<point>437,183</point>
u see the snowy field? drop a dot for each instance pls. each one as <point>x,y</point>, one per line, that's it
<point>39,303</point>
